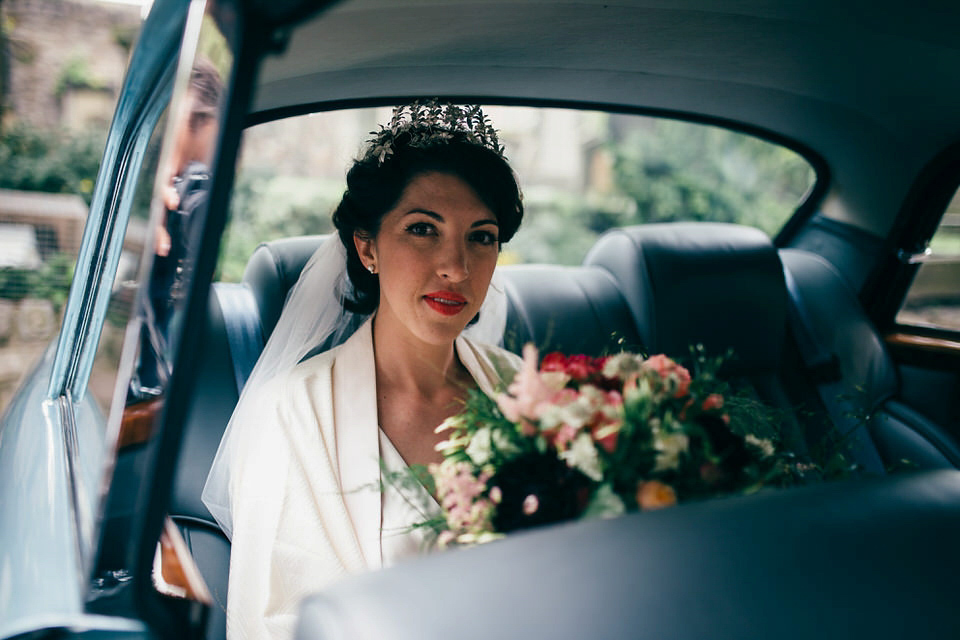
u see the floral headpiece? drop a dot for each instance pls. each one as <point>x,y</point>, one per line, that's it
<point>427,123</point>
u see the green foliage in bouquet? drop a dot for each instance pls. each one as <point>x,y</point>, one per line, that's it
<point>596,437</point>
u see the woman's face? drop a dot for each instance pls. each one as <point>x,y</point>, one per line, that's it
<point>434,255</point>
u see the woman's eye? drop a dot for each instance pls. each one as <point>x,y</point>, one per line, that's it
<point>421,229</point>
<point>484,237</point>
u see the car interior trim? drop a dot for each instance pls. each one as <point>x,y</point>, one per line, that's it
<point>178,572</point>
<point>916,222</point>
<point>927,344</point>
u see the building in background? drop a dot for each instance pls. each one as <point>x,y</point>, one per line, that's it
<point>61,69</point>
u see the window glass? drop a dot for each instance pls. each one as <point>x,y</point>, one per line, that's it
<point>168,209</point>
<point>934,296</point>
<point>106,363</point>
<point>582,172</point>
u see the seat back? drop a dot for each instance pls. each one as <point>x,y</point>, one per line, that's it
<point>569,309</point>
<point>723,286</point>
<point>718,285</point>
<point>867,383</point>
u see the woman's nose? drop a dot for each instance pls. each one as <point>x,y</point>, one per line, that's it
<point>453,260</point>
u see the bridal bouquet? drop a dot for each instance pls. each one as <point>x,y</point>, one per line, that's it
<point>592,437</point>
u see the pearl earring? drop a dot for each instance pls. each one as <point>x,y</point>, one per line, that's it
<point>371,268</point>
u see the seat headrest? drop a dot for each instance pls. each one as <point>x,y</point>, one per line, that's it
<point>569,309</point>
<point>273,269</point>
<point>719,285</point>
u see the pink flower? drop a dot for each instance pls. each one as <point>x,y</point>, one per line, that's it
<point>529,393</point>
<point>673,375</point>
<point>461,496</point>
<point>530,505</point>
<point>564,436</point>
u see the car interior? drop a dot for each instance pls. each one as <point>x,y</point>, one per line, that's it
<point>806,318</point>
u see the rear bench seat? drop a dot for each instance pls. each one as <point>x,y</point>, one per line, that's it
<point>655,288</point>
<point>724,286</point>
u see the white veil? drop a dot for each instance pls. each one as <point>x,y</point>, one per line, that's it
<point>314,320</point>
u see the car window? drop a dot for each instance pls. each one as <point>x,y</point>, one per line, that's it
<point>933,299</point>
<point>106,364</point>
<point>582,172</point>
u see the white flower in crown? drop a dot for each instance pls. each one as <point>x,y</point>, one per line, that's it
<point>426,123</point>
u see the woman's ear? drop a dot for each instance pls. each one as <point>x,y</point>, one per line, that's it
<point>366,249</point>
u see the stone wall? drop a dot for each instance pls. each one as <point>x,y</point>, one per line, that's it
<point>55,47</point>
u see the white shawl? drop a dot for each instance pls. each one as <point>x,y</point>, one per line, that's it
<point>304,501</point>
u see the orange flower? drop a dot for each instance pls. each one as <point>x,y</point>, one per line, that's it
<point>654,494</point>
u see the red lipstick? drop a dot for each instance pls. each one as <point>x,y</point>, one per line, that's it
<point>446,302</point>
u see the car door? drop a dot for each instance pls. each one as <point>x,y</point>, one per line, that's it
<point>915,296</point>
<point>63,437</point>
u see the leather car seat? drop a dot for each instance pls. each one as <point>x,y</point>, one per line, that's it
<point>867,373</point>
<point>724,286</point>
<point>720,286</point>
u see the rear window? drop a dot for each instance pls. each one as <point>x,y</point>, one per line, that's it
<point>582,172</point>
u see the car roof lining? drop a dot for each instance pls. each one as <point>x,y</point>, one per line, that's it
<point>809,71</point>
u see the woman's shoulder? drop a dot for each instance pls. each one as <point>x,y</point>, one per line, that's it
<point>290,385</point>
<point>502,363</point>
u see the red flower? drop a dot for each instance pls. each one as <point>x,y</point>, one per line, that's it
<point>713,401</point>
<point>606,437</point>
<point>555,361</point>
<point>580,367</point>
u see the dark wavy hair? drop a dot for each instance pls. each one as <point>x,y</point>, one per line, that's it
<point>373,189</point>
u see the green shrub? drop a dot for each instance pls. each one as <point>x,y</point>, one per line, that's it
<point>53,161</point>
<point>51,281</point>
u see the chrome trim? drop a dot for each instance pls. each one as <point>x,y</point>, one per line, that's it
<point>110,258</point>
<point>914,257</point>
<point>82,517</point>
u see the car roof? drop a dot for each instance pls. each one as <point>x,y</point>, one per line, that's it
<point>871,88</point>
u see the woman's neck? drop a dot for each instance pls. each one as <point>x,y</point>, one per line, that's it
<point>406,363</point>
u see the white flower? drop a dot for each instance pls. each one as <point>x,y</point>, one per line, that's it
<point>621,365</point>
<point>554,380</point>
<point>448,447</point>
<point>764,445</point>
<point>582,455</point>
<point>669,446</point>
<point>503,443</point>
<point>479,448</point>
<point>453,422</point>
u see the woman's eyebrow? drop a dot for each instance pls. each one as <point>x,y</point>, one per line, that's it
<point>439,218</point>
<point>433,214</point>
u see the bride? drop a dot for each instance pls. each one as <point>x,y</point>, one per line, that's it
<point>426,209</point>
